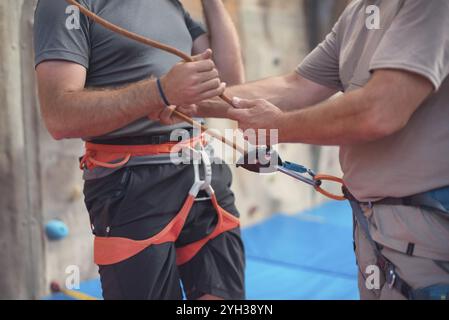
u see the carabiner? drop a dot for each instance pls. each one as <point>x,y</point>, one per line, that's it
<point>319,178</point>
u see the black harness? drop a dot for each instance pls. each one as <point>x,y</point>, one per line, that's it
<point>437,200</point>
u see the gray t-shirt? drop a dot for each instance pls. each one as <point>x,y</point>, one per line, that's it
<point>413,36</point>
<point>112,60</point>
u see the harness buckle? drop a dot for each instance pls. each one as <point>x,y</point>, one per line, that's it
<point>391,277</point>
<point>202,178</point>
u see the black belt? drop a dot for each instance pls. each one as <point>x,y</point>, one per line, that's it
<point>425,199</point>
<point>141,140</point>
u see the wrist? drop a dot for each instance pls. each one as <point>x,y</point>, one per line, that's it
<point>155,101</point>
<point>280,122</point>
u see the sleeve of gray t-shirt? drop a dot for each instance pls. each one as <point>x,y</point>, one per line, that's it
<point>56,38</point>
<point>58,35</point>
<point>417,41</point>
<point>196,29</point>
<point>322,64</point>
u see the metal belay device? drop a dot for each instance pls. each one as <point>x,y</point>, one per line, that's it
<point>265,160</point>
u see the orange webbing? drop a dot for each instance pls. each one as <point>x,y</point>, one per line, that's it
<point>226,222</point>
<point>115,156</point>
<point>112,250</point>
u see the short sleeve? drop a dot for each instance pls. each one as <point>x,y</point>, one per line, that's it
<point>417,41</point>
<point>196,29</point>
<point>322,64</point>
<point>60,33</point>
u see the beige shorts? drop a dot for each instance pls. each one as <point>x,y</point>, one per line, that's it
<point>395,228</point>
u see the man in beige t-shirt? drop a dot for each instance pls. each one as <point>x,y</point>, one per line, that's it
<point>392,124</point>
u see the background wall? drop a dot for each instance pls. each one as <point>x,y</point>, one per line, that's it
<point>40,179</point>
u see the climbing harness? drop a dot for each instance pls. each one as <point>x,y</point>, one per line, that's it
<point>393,280</point>
<point>112,250</point>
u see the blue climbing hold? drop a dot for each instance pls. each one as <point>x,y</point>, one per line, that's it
<point>56,230</point>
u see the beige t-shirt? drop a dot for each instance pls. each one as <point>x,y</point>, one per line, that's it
<point>413,36</point>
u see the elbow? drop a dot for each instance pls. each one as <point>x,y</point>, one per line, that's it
<point>380,123</point>
<point>57,131</point>
<point>58,136</point>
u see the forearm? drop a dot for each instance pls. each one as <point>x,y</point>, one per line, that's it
<point>224,41</point>
<point>288,92</point>
<point>348,119</point>
<point>91,113</point>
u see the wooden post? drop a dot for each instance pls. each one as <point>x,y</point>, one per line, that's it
<point>21,241</point>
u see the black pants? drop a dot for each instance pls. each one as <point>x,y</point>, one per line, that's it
<point>137,203</point>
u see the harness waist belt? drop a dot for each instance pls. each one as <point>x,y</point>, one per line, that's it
<point>436,199</point>
<point>142,140</point>
<point>117,156</point>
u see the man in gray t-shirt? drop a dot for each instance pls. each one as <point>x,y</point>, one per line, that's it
<point>390,58</point>
<point>99,86</point>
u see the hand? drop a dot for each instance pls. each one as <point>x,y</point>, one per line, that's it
<point>191,82</point>
<point>255,114</point>
<point>167,116</point>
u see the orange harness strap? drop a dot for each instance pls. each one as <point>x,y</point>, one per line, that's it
<point>114,156</point>
<point>112,250</point>
<point>226,222</point>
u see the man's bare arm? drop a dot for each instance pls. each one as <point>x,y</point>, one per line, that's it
<point>71,111</point>
<point>288,92</point>
<point>224,41</point>
<point>383,107</point>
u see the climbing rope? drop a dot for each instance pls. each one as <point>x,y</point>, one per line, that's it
<point>318,179</point>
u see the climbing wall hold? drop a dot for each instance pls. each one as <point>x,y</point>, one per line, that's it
<point>252,211</point>
<point>56,230</point>
<point>75,194</point>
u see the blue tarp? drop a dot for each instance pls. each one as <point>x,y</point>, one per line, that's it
<point>305,256</point>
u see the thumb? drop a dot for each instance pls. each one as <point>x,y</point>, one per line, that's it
<point>243,103</point>
<point>203,56</point>
<point>236,114</point>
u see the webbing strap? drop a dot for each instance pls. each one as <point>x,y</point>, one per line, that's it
<point>392,278</point>
<point>112,250</point>
<point>226,222</point>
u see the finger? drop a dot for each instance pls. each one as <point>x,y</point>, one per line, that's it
<point>203,56</point>
<point>190,110</point>
<point>213,93</point>
<point>209,85</point>
<point>203,66</point>
<point>236,114</point>
<point>166,116</point>
<point>244,103</point>
<point>208,75</point>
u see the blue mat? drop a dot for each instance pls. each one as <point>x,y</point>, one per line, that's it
<point>306,256</point>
